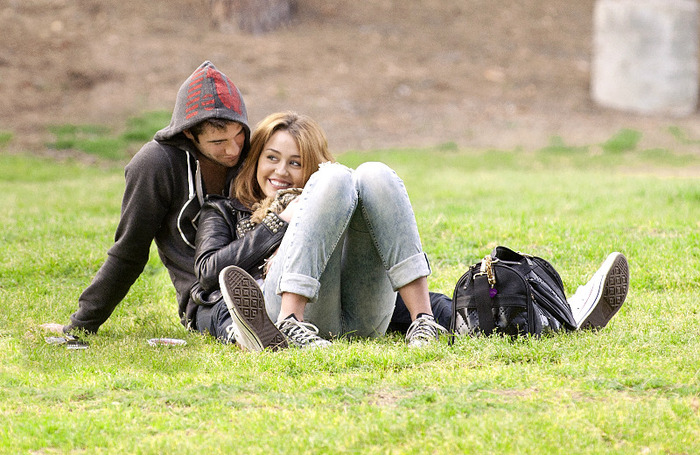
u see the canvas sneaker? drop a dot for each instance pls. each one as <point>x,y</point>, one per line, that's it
<point>303,335</point>
<point>231,335</point>
<point>596,302</point>
<point>423,331</point>
<point>254,331</point>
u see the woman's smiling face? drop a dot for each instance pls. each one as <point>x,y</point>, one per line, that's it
<point>279,164</point>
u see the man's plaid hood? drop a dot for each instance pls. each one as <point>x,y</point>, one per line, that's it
<point>206,94</point>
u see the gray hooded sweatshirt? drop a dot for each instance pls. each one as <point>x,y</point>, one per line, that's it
<point>161,202</point>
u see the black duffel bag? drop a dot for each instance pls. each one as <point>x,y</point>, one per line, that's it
<point>512,294</point>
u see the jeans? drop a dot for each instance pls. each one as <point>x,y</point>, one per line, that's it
<point>214,320</point>
<point>351,244</point>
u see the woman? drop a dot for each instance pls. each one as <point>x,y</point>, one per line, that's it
<point>351,242</point>
<point>221,240</point>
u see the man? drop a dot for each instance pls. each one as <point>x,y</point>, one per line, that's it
<point>166,182</point>
<point>197,154</point>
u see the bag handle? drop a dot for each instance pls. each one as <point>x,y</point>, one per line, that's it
<point>484,291</point>
<point>506,254</point>
<point>483,304</point>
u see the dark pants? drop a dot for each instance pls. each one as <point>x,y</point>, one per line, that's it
<point>442,311</point>
<point>214,320</point>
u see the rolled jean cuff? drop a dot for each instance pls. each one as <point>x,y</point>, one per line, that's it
<point>409,270</point>
<point>299,284</point>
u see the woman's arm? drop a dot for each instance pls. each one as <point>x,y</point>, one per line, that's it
<point>218,246</point>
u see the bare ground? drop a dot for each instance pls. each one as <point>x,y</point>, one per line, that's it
<point>380,73</point>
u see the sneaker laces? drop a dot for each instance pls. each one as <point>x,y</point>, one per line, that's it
<point>423,331</point>
<point>302,334</point>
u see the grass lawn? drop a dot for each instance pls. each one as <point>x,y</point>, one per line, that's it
<point>631,388</point>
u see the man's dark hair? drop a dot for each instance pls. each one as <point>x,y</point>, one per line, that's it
<point>217,123</point>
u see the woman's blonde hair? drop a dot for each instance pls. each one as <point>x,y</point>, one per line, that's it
<point>310,140</point>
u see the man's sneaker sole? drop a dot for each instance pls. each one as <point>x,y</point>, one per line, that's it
<point>246,304</point>
<point>613,294</point>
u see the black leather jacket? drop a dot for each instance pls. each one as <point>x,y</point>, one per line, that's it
<point>218,246</point>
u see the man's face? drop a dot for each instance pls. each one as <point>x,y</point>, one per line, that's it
<point>223,146</point>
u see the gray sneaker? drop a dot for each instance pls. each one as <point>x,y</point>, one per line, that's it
<point>596,302</point>
<point>254,330</point>
<point>423,331</point>
<point>303,335</point>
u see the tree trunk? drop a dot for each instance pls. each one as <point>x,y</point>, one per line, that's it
<point>252,16</point>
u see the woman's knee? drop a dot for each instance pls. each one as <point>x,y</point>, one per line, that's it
<point>375,177</point>
<point>372,170</point>
<point>331,175</point>
<point>330,190</point>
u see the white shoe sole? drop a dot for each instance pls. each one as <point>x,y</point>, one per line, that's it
<point>610,292</point>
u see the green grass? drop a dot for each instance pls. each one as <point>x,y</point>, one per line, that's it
<point>682,136</point>
<point>624,141</point>
<point>102,142</point>
<point>630,388</point>
<point>5,138</point>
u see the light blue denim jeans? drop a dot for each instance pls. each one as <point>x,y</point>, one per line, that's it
<point>351,244</point>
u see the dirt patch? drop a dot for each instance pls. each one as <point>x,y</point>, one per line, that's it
<point>386,73</point>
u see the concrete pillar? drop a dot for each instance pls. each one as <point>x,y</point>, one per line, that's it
<point>645,56</point>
